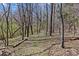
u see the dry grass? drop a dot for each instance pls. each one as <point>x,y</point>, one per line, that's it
<point>37,47</point>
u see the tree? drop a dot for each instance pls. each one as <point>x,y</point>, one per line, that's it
<point>51,19</point>
<point>30,12</point>
<point>7,22</point>
<point>62,27</point>
<point>23,21</point>
<point>47,18</point>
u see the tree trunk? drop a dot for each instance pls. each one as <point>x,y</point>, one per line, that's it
<point>47,19</point>
<point>51,19</point>
<point>62,27</point>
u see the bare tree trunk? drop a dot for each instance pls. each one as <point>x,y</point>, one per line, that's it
<point>40,22</point>
<point>11,30</point>
<point>23,22</point>
<point>28,22</point>
<point>6,17</point>
<point>62,27</point>
<point>21,15</point>
<point>37,19</point>
<point>51,19</point>
<point>31,19</point>
<point>28,28</point>
<point>47,19</point>
<point>74,29</point>
<point>7,43</point>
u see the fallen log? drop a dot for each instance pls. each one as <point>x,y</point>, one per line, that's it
<point>48,48</point>
<point>19,43</point>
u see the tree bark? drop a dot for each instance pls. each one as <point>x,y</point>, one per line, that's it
<point>62,27</point>
<point>51,19</point>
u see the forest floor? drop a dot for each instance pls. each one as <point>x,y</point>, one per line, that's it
<point>46,47</point>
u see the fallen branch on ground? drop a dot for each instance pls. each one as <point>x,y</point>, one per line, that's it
<point>19,43</point>
<point>48,48</point>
